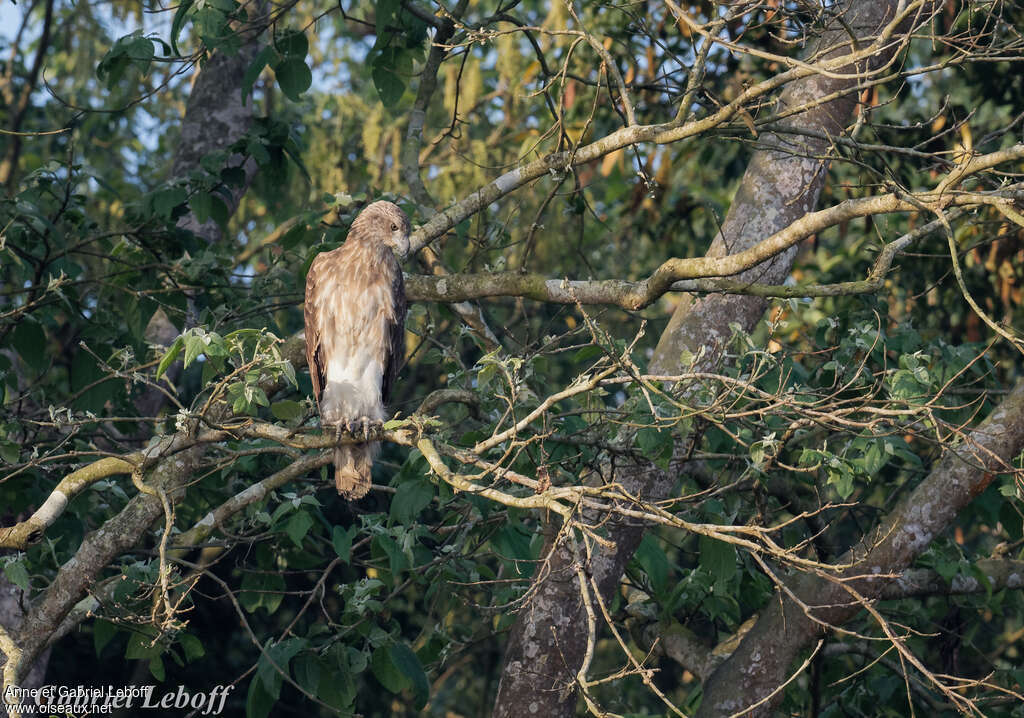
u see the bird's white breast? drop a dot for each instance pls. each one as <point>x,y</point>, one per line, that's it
<point>354,335</point>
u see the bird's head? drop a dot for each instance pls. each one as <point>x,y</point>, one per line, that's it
<point>385,222</point>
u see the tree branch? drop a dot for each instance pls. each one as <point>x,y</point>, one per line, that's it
<point>9,165</point>
<point>30,531</point>
<point>913,582</point>
<point>216,116</point>
<point>410,161</point>
<point>782,183</point>
<point>872,54</point>
<point>633,296</point>
<point>762,660</point>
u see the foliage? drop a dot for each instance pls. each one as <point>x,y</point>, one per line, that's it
<point>802,432</point>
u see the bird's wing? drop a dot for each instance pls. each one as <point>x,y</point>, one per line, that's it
<point>395,337</point>
<point>311,310</point>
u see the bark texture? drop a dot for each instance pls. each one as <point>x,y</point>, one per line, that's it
<point>783,181</point>
<point>763,660</point>
<point>215,118</point>
<point>12,599</point>
<point>98,549</point>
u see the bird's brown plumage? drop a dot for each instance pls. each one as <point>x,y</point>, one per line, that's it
<point>355,332</point>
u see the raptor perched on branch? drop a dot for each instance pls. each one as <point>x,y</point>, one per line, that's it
<point>355,334</point>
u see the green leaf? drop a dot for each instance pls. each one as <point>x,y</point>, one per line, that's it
<point>945,566</point>
<point>718,558</point>
<point>136,315</point>
<point>192,646</point>
<point>409,665</point>
<point>270,678</point>
<point>241,406</point>
<point>172,353</point>
<point>292,43</point>
<point>411,497</point>
<point>391,71</point>
<point>656,444</point>
<point>132,49</point>
<point>232,176</point>
<point>512,542</point>
<point>389,86</point>
<point>342,542</point>
<point>757,453</point>
<point>258,702</point>
<point>258,151</point>
<point>213,162</point>
<point>219,212</point>
<point>194,346</point>
<point>286,410</point>
<point>385,14</point>
<point>306,670</point>
<point>276,661</point>
<point>336,686</point>
<point>202,206</point>
<point>397,560</point>
<point>29,340</point>
<point>268,55</point>
<point>654,563</point>
<point>294,236</point>
<point>294,153</point>
<point>972,569</point>
<point>485,375</point>
<point>17,574</point>
<point>141,52</point>
<point>905,385</point>
<point>842,479</point>
<point>591,351</point>
<point>212,26</point>
<point>156,668</point>
<point>262,589</point>
<point>165,200</point>
<point>102,633</point>
<point>112,67</point>
<point>9,451</point>
<point>874,458</point>
<point>178,22</point>
<point>141,646</point>
<point>386,672</point>
<point>259,396</point>
<point>298,526</point>
<point>1010,517</point>
<point>293,77</point>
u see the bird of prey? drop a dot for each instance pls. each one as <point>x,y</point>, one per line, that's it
<point>355,334</point>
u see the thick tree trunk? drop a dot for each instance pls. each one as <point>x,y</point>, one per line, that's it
<point>214,118</point>
<point>11,600</point>
<point>783,181</point>
<point>763,660</point>
<point>98,549</point>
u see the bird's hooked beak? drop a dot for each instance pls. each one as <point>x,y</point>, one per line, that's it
<point>400,243</point>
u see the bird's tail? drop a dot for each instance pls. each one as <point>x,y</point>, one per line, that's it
<point>352,468</point>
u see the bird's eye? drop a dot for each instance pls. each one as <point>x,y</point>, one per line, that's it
<point>394,227</point>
